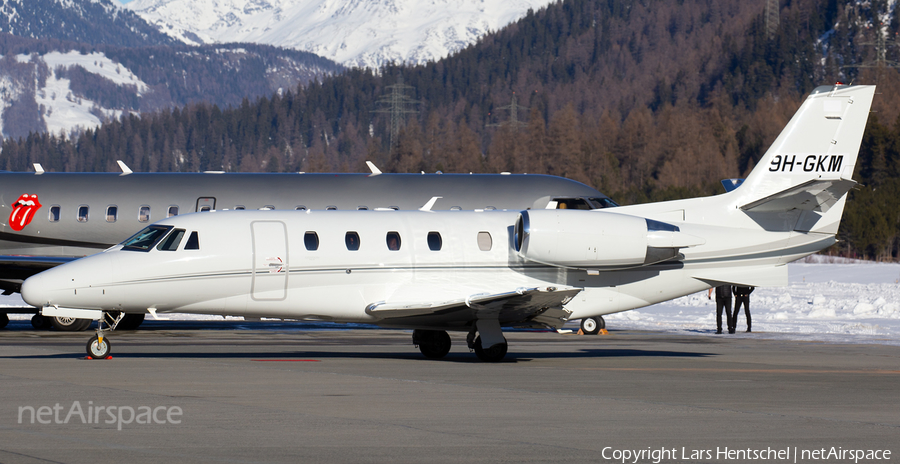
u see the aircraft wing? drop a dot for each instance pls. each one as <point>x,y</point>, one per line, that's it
<point>815,195</point>
<point>524,307</point>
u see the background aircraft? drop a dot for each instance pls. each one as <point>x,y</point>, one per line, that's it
<point>481,271</point>
<point>50,218</point>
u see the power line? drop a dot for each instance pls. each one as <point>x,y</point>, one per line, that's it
<point>398,104</point>
<point>513,121</point>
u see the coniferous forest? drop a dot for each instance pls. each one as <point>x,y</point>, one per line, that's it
<point>644,100</point>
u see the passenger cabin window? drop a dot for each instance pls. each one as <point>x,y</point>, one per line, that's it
<point>267,208</point>
<point>393,241</point>
<point>434,241</point>
<point>484,241</point>
<point>330,208</point>
<point>193,242</point>
<point>144,214</point>
<point>299,208</point>
<point>362,208</point>
<point>352,241</point>
<point>455,208</point>
<point>146,238</point>
<point>311,240</point>
<point>172,241</point>
<point>83,211</point>
<point>239,208</point>
<point>173,210</point>
<point>54,213</point>
<point>490,208</point>
<point>112,213</point>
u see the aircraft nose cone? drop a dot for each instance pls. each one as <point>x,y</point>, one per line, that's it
<point>33,290</point>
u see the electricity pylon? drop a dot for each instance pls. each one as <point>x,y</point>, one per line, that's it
<point>398,104</point>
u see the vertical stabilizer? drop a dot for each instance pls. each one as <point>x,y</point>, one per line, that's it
<point>816,152</point>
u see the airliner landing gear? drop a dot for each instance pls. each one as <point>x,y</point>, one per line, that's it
<point>495,353</point>
<point>592,325</point>
<point>4,319</point>
<point>98,347</point>
<point>131,322</point>
<point>40,322</point>
<point>69,324</point>
<point>434,344</point>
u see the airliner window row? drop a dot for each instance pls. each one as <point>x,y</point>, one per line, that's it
<point>393,241</point>
<point>112,213</point>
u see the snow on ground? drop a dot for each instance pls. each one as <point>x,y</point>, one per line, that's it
<point>63,111</point>
<point>856,302</point>
<point>838,303</point>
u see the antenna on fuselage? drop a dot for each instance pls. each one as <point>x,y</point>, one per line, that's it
<point>125,169</point>
<point>373,168</point>
<point>427,206</point>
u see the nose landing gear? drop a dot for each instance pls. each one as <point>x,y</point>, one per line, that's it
<point>98,347</point>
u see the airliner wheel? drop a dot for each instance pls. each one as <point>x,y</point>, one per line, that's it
<point>592,325</point>
<point>4,319</point>
<point>40,322</point>
<point>96,349</point>
<point>130,322</point>
<point>495,353</point>
<point>434,344</point>
<point>69,324</point>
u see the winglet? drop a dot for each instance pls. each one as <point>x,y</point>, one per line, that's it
<point>38,169</point>
<point>427,206</point>
<point>373,168</point>
<point>125,169</point>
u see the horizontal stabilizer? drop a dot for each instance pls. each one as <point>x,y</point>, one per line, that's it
<point>748,276</point>
<point>814,195</point>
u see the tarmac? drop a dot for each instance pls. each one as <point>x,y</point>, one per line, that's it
<point>290,392</point>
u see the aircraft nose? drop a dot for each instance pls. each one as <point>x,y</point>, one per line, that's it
<point>34,289</point>
<point>71,284</point>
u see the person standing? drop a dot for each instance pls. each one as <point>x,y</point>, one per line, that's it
<point>741,296</point>
<point>723,302</point>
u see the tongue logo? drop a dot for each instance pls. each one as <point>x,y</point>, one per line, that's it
<point>23,211</point>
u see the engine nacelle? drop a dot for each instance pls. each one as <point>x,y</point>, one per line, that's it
<point>597,239</point>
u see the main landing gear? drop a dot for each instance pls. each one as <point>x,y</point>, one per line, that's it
<point>435,344</point>
<point>98,347</point>
<point>592,325</point>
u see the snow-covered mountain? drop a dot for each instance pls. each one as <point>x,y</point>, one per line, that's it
<point>364,33</point>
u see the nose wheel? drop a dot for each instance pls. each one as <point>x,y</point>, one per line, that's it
<point>98,347</point>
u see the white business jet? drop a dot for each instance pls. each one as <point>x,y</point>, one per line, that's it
<point>479,271</point>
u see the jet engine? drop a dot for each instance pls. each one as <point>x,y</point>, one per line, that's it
<point>597,239</point>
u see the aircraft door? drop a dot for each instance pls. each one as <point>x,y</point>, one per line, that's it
<point>206,204</point>
<point>270,260</point>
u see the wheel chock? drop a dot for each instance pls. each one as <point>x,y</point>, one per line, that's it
<point>88,358</point>
<point>580,332</point>
<point>603,332</point>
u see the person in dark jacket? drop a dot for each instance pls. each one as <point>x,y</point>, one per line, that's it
<point>723,302</point>
<point>741,296</point>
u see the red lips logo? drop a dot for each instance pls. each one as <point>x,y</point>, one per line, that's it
<point>23,211</point>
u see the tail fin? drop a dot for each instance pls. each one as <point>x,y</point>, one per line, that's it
<point>810,165</point>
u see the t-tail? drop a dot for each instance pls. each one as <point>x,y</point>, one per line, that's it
<point>808,168</point>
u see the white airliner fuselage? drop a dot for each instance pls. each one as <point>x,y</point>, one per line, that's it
<point>481,271</point>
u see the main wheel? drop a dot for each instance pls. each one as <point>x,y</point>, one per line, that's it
<point>4,319</point>
<point>592,325</point>
<point>69,324</point>
<point>40,322</point>
<point>434,344</point>
<point>130,322</point>
<point>495,353</point>
<point>97,349</point>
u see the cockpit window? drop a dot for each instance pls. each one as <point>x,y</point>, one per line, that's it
<point>600,203</point>
<point>572,203</point>
<point>193,242</point>
<point>171,241</point>
<point>145,239</point>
